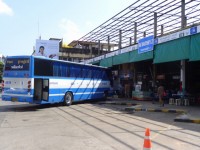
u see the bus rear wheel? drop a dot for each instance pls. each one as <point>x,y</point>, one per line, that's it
<point>68,99</point>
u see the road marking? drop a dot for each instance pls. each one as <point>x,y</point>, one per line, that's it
<point>168,128</point>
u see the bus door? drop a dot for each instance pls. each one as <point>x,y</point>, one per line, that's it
<point>45,89</point>
<point>41,89</point>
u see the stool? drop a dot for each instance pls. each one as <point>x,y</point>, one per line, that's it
<point>171,101</point>
<point>186,102</point>
<point>178,101</point>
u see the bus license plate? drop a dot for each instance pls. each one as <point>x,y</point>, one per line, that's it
<point>14,99</point>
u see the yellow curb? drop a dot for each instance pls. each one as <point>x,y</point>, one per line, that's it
<point>181,111</point>
<point>138,109</point>
<point>151,110</point>
<point>165,110</point>
<point>196,121</point>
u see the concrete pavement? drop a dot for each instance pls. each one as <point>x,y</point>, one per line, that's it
<point>190,114</point>
<point>91,126</point>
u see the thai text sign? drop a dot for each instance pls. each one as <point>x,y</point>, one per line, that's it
<point>145,44</point>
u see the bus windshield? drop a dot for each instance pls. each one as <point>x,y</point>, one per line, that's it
<point>17,64</point>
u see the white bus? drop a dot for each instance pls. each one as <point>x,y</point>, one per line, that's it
<point>42,80</point>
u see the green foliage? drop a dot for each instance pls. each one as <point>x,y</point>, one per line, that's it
<point>1,70</point>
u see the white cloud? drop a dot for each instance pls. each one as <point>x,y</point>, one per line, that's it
<point>5,9</point>
<point>71,30</point>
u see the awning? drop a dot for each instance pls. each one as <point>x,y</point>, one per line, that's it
<point>134,56</point>
<point>95,63</point>
<point>107,62</point>
<point>195,48</point>
<point>121,59</point>
<point>172,51</point>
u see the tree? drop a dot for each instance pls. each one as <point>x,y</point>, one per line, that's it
<point>1,70</point>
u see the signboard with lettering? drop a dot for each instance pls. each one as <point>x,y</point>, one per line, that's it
<point>146,44</point>
<point>50,48</point>
<point>17,64</point>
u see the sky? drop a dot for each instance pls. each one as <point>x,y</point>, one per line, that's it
<point>23,21</point>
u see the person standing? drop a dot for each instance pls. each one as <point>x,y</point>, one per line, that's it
<point>161,93</point>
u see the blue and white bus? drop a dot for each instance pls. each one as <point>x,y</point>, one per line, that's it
<point>42,80</point>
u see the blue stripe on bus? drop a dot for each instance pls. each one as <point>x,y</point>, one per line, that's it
<point>17,98</point>
<point>52,99</point>
<point>17,74</point>
<point>55,91</point>
<point>15,91</point>
<point>77,90</point>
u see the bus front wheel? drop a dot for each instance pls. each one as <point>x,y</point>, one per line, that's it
<point>68,99</point>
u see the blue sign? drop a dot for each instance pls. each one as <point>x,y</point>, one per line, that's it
<point>145,44</point>
<point>193,30</point>
<point>155,41</point>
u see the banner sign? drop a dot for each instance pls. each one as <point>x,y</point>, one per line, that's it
<point>128,49</point>
<point>88,61</point>
<point>99,58</point>
<point>47,48</point>
<point>17,64</point>
<point>193,30</point>
<point>146,44</point>
<point>110,54</point>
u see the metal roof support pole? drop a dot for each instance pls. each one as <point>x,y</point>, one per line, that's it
<point>99,47</point>
<point>120,39</point>
<point>108,43</point>
<point>154,65</point>
<point>90,48</point>
<point>162,30</point>
<point>135,33</point>
<point>155,24</point>
<point>130,41</point>
<point>183,25</point>
<point>144,34</point>
<point>183,17</point>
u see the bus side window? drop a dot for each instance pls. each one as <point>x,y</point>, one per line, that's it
<point>97,73</point>
<point>75,71</point>
<point>43,67</point>
<point>56,69</point>
<point>60,69</point>
<point>64,70</point>
<point>86,72</point>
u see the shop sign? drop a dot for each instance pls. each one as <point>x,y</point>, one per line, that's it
<point>193,30</point>
<point>88,61</point>
<point>177,35</point>
<point>110,54</point>
<point>99,58</point>
<point>146,44</point>
<point>128,49</point>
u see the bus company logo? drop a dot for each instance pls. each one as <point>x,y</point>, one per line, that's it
<point>17,67</point>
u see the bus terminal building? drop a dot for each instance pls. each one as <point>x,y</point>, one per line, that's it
<point>158,43</point>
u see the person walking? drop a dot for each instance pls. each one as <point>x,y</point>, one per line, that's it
<point>161,93</point>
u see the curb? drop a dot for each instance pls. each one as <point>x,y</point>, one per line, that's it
<point>134,108</point>
<point>155,110</point>
<point>188,120</point>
